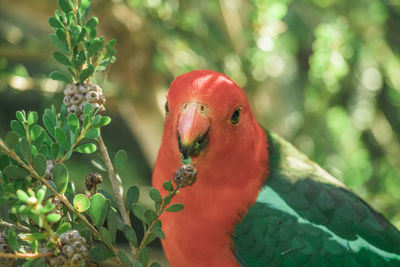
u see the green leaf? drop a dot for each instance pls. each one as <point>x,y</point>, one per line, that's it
<point>15,172</point>
<point>103,121</point>
<point>86,148</point>
<point>17,127</point>
<point>150,215</point>
<point>98,209</point>
<point>155,195</point>
<point>54,150</point>
<point>155,264</point>
<point>126,261</point>
<point>55,23</point>
<point>88,109</point>
<point>81,202</point>
<point>49,124</point>
<point>85,73</point>
<point>49,206</point>
<point>73,122</point>
<point>60,177</point>
<point>4,161</point>
<point>75,31</point>
<point>20,116</point>
<point>130,235</point>
<point>167,200</point>
<point>61,58</point>
<point>120,159</point>
<point>138,264</point>
<point>58,44</point>
<point>64,5</point>
<point>64,227</point>
<point>91,24</point>
<point>95,46</point>
<point>158,232</point>
<point>112,224</point>
<point>32,117</point>
<point>11,139</point>
<point>100,253</point>
<point>168,186</point>
<point>139,211</point>
<point>62,138</point>
<point>106,236</point>
<point>12,240</point>
<point>144,256</point>
<point>132,195</point>
<point>175,207</point>
<point>53,217</point>
<point>59,76</point>
<point>36,132</point>
<point>40,164</point>
<point>40,194</point>
<point>92,133</point>
<point>22,196</point>
<point>25,149</point>
<point>96,119</point>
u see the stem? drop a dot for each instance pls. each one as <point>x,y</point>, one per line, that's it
<point>25,255</point>
<point>151,226</point>
<point>21,228</point>
<point>115,181</point>
<point>80,137</point>
<point>116,184</point>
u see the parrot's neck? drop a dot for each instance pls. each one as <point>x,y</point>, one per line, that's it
<point>226,187</point>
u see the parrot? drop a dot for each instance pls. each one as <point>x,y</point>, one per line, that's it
<point>257,200</point>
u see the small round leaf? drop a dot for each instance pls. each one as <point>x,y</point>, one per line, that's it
<point>81,202</point>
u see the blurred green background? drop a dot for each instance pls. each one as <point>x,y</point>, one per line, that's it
<point>325,74</point>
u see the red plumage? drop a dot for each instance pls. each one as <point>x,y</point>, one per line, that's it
<point>231,169</point>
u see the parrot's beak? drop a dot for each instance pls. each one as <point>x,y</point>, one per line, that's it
<point>193,126</point>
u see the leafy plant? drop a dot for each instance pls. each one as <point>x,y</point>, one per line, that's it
<point>79,48</point>
<point>47,221</point>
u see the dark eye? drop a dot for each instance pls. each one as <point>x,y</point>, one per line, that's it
<point>166,108</point>
<point>236,116</point>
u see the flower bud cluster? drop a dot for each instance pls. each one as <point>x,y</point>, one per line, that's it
<point>73,251</point>
<point>77,95</point>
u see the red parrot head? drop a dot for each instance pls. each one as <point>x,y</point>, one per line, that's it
<point>205,108</point>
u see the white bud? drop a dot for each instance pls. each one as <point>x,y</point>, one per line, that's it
<point>68,250</point>
<point>66,100</point>
<point>83,89</point>
<point>92,96</point>
<point>73,109</point>
<point>76,99</point>
<point>95,105</point>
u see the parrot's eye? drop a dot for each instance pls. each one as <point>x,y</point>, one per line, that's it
<point>236,116</point>
<point>166,108</point>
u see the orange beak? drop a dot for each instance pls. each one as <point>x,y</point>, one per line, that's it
<point>193,125</point>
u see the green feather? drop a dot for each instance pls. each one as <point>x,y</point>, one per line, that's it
<point>305,217</point>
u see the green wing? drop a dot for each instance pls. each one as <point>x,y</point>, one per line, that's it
<point>305,217</point>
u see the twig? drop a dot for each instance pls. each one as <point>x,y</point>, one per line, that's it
<point>25,255</point>
<point>21,228</point>
<point>148,232</point>
<point>115,181</point>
